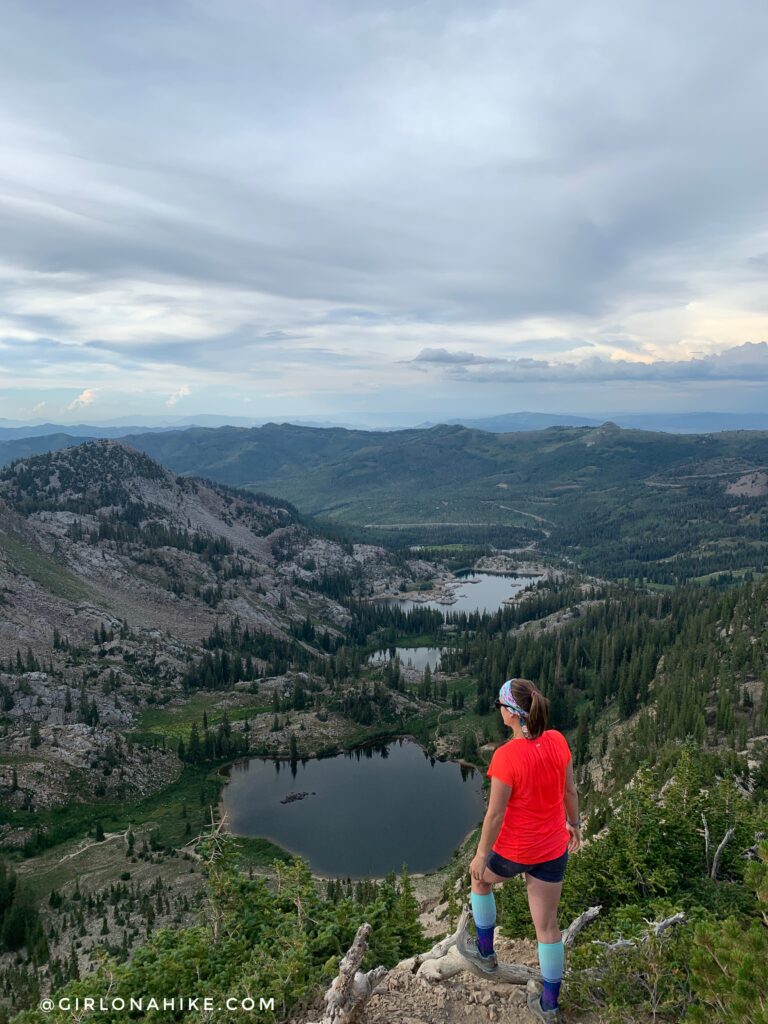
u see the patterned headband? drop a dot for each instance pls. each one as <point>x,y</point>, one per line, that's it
<point>505,696</point>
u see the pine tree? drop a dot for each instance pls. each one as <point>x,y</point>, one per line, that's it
<point>407,926</point>
<point>194,750</point>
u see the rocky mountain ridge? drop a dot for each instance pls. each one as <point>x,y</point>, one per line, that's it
<point>113,575</point>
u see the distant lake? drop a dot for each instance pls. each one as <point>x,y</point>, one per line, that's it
<point>368,812</point>
<point>416,657</point>
<point>480,592</point>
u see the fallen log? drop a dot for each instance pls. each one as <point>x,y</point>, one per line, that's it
<point>453,961</point>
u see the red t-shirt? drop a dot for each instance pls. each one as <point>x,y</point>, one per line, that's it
<point>533,829</point>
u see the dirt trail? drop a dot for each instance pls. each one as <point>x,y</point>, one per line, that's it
<point>403,998</point>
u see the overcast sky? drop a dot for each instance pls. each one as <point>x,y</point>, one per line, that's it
<point>355,209</point>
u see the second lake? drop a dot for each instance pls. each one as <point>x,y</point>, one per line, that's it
<point>477,592</point>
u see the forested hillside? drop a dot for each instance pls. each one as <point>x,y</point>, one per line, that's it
<point>621,503</point>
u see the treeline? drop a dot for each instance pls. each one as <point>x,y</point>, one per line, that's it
<point>666,535</point>
<point>389,621</point>
<point>214,744</point>
<point>713,682</point>
<point>453,557</point>
<point>431,535</point>
<point>230,653</point>
<point>608,651</point>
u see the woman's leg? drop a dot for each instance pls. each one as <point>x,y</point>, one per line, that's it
<point>543,900</point>
<point>483,906</point>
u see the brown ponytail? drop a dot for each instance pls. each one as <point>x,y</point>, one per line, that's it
<point>534,702</point>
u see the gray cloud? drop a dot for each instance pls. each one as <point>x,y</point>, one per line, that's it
<point>748,362</point>
<point>442,355</point>
<point>328,156</point>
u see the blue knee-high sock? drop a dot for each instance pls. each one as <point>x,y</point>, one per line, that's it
<point>484,914</point>
<point>551,958</point>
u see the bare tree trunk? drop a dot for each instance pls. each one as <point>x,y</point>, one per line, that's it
<point>350,990</point>
<point>719,852</point>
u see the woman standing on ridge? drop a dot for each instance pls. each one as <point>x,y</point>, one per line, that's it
<point>531,826</point>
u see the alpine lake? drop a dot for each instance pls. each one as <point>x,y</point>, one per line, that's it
<point>371,810</point>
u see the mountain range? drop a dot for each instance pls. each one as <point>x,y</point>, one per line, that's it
<point>622,503</point>
<point>674,423</point>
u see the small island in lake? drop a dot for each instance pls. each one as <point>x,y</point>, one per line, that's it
<point>296,796</point>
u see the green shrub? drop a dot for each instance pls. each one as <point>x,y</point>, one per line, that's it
<point>729,961</point>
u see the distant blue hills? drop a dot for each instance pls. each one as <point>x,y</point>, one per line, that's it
<point>671,423</point>
<point>19,440</point>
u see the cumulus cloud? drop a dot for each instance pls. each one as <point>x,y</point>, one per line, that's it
<point>85,398</point>
<point>182,392</point>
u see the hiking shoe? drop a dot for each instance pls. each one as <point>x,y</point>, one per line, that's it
<point>468,949</point>
<point>534,990</point>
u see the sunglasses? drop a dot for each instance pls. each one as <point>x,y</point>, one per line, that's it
<point>497,704</point>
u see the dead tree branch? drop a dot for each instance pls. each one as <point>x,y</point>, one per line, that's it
<point>578,923</point>
<point>656,928</point>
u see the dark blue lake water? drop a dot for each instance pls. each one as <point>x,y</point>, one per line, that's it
<point>368,812</point>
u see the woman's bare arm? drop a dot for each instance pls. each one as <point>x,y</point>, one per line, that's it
<point>571,801</point>
<point>571,797</point>
<point>494,816</point>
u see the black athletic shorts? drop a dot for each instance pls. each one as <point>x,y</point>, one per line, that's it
<point>545,871</point>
